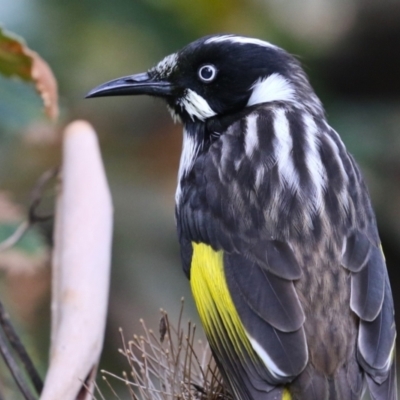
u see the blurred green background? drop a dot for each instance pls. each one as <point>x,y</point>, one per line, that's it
<point>349,48</point>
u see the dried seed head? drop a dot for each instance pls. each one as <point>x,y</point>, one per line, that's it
<point>171,366</point>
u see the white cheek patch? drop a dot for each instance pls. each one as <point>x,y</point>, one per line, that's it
<point>273,88</point>
<point>196,106</point>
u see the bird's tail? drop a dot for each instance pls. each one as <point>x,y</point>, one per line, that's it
<point>347,384</point>
<point>387,390</point>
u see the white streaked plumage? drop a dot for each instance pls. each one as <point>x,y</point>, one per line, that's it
<point>225,152</point>
<point>344,195</point>
<point>196,106</point>
<point>273,88</point>
<point>313,161</point>
<point>344,246</point>
<point>259,177</point>
<point>283,146</point>
<point>166,65</point>
<point>174,115</point>
<point>239,39</point>
<point>267,360</point>
<point>190,149</point>
<point>251,137</point>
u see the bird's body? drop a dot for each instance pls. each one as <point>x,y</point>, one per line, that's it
<point>250,244</point>
<point>277,233</point>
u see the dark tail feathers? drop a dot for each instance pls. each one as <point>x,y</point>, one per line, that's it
<point>347,384</point>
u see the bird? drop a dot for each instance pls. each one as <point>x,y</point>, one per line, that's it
<point>277,234</point>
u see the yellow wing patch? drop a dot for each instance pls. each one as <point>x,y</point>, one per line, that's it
<point>213,300</point>
<point>218,314</point>
<point>286,395</point>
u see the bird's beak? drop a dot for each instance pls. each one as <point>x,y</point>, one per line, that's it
<point>133,85</point>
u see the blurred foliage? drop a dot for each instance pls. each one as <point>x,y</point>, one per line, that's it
<point>17,60</point>
<point>29,253</point>
<point>31,243</point>
<point>13,60</point>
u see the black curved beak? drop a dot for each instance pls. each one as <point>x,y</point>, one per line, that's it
<point>132,85</point>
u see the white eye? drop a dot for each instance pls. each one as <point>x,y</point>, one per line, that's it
<point>207,73</point>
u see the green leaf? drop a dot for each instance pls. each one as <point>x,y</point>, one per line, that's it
<point>17,60</point>
<point>14,60</point>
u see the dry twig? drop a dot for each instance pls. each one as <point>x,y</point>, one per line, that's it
<point>33,216</point>
<point>19,348</point>
<point>170,367</point>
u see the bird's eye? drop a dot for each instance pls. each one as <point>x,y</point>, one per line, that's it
<point>207,73</point>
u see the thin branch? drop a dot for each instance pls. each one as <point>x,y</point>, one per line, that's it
<point>37,196</point>
<point>14,369</point>
<point>158,373</point>
<point>33,216</point>
<point>15,236</point>
<point>19,348</point>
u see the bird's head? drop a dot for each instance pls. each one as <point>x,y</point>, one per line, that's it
<point>219,75</point>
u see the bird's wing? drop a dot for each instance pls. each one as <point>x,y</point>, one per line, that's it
<point>253,321</point>
<point>371,300</point>
<point>271,313</point>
